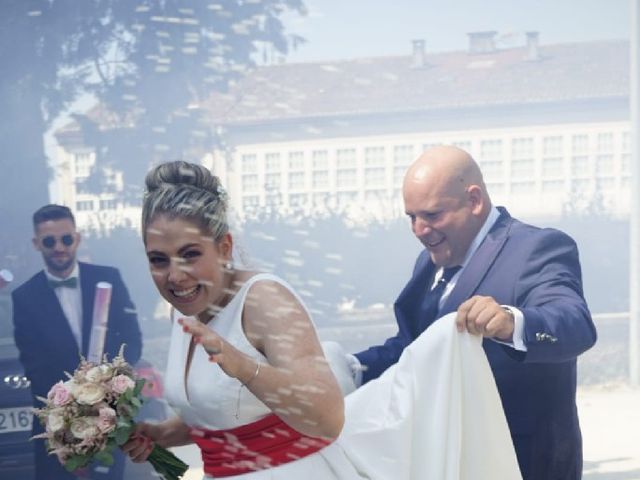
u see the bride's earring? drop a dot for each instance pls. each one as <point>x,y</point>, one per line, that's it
<point>228,266</point>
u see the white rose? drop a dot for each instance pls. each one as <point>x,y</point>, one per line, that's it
<point>99,373</point>
<point>88,393</point>
<point>84,427</point>
<point>55,420</point>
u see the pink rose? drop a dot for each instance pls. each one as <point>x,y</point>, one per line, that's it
<point>121,383</point>
<point>106,419</point>
<point>59,395</point>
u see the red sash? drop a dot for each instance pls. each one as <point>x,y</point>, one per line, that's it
<point>266,443</point>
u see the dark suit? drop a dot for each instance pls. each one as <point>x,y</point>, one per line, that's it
<point>48,348</point>
<point>537,271</point>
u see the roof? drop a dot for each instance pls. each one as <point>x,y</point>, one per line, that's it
<point>366,86</point>
<point>567,72</point>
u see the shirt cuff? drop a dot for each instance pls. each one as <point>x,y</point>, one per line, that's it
<point>356,368</point>
<point>517,341</point>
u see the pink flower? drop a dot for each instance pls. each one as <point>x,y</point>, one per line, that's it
<point>59,395</point>
<point>121,383</point>
<point>107,419</point>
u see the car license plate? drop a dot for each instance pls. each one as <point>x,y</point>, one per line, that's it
<point>15,419</point>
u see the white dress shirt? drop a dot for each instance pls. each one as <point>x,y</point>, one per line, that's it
<point>71,302</point>
<point>518,331</point>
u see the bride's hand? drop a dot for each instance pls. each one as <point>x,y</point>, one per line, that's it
<point>141,442</point>
<point>232,361</point>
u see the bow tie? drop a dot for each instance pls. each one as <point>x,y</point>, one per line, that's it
<point>71,282</point>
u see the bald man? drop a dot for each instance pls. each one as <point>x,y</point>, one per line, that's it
<point>517,285</point>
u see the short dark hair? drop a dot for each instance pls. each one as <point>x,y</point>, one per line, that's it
<point>52,212</point>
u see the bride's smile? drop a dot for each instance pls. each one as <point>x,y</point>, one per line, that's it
<point>180,257</point>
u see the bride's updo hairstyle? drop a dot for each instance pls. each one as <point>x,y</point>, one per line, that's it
<point>185,190</point>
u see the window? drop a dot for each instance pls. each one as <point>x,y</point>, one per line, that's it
<point>346,178</point>
<point>552,158</point>
<point>402,155</point>
<point>626,141</point>
<point>521,169</point>
<point>552,146</point>
<point>272,162</point>
<point>463,144</point>
<point>249,183</point>
<point>605,184</point>
<point>273,181</point>
<point>552,167</point>
<point>522,148</point>
<point>320,179</point>
<point>579,166</point>
<point>108,204</point>
<point>491,160</point>
<point>296,161</point>
<point>272,199</point>
<point>346,157</point>
<point>495,188</point>
<point>374,177</point>
<point>398,175</point>
<point>250,202</point>
<point>296,180</point>
<point>427,146</point>
<point>249,163</point>
<point>522,160</point>
<point>553,186</point>
<point>298,199</point>
<point>580,186</point>
<point>605,142</point>
<point>625,156</point>
<point>580,144</point>
<point>320,160</point>
<point>84,205</point>
<point>83,164</point>
<point>523,187</point>
<point>374,156</point>
<point>604,165</point>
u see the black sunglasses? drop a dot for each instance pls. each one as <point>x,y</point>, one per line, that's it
<point>50,241</point>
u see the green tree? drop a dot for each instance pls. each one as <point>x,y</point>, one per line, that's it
<point>150,64</point>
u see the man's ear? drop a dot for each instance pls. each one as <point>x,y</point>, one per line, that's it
<point>475,199</point>
<point>36,244</point>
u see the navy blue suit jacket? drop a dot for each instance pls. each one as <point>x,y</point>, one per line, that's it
<point>47,346</point>
<point>537,271</point>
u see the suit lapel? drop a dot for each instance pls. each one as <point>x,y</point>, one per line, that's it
<point>54,323</point>
<point>480,263</point>
<point>88,286</point>
<point>409,302</point>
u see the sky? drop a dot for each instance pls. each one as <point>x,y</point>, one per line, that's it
<point>341,29</point>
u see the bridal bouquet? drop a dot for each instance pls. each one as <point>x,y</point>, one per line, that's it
<point>92,413</point>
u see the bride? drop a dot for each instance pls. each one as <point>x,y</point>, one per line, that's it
<point>252,387</point>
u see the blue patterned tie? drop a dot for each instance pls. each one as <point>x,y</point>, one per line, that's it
<point>431,302</point>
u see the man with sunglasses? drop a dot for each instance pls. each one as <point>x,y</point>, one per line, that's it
<point>52,318</point>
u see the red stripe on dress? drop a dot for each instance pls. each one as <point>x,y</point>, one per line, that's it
<point>265,443</point>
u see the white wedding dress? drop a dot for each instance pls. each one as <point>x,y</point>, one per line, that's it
<point>436,415</point>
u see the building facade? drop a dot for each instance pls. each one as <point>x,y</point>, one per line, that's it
<point>549,126</point>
